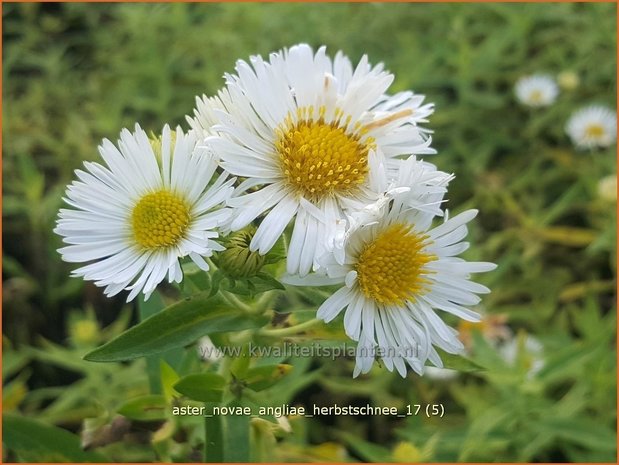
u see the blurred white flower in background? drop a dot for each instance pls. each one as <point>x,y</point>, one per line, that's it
<point>493,328</point>
<point>592,126</point>
<point>538,90</point>
<point>527,349</point>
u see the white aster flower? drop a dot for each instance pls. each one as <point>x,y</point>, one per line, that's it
<point>529,349</point>
<point>320,138</point>
<point>418,185</point>
<point>134,218</point>
<point>538,90</point>
<point>397,272</point>
<point>592,126</point>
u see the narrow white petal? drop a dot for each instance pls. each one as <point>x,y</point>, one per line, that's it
<point>312,279</point>
<point>273,225</point>
<point>334,304</point>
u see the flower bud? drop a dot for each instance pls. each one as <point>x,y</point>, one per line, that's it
<point>568,80</point>
<point>84,332</point>
<point>407,452</point>
<point>607,188</point>
<point>237,261</point>
<point>156,141</point>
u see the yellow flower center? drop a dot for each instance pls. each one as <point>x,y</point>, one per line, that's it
<point>160,219</point>
<point>390,269</point>
<point>320,158</point>
<point>594,131</point>
<point>536,96</point>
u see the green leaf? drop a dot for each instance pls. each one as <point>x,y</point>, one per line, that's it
<point>262,282</point>
<point>145,408</point>
<point>562,204</point>
<point>366,450</point>
<point>567,363</point>
<point>567,235</point>
<point>216,280</point>
<point>263,377</point>
<point>205,387</point>
<point>39,442</point>
<point>168,379</point>
<point>459,363</point>
<point>153,363</point>
<point>176,326</point>
<point>268,282</point>
<point>13,361</point>
<point>240,363</point>
<point>580,431</point>
<point>198,279</point>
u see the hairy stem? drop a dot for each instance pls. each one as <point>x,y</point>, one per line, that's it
<point>292,329</point>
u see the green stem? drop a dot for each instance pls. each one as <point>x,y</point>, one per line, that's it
<point>263,302</point>
<point>213,437</point>
<point>237,445</point>
<point>235,301</point>
<point>291,330</point>
<point>153,362</point>
<point>214,425</point>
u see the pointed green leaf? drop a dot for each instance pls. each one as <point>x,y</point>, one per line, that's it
<point>268,282</point>
<point>366,450</point>
<point>216,280</point>
<point>145,408</point>
<point>176,326</point>
<point>582,431</point>
<point>168,379</point>
<point>205,387</point>
<point>262,282</point>
<point>263,377</point>
<point>459,363</point>
<point>36,441</point>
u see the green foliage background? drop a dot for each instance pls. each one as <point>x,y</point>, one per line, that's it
<point>75,73</point>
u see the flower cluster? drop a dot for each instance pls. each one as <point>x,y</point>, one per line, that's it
<point>593,126</point>
<point>302,140</point>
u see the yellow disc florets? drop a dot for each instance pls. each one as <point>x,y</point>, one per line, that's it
<point>390,269</point>
<point>160,219</point>
<point>320,158</point>
<point>594,131</point>
<point>536,96</point>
